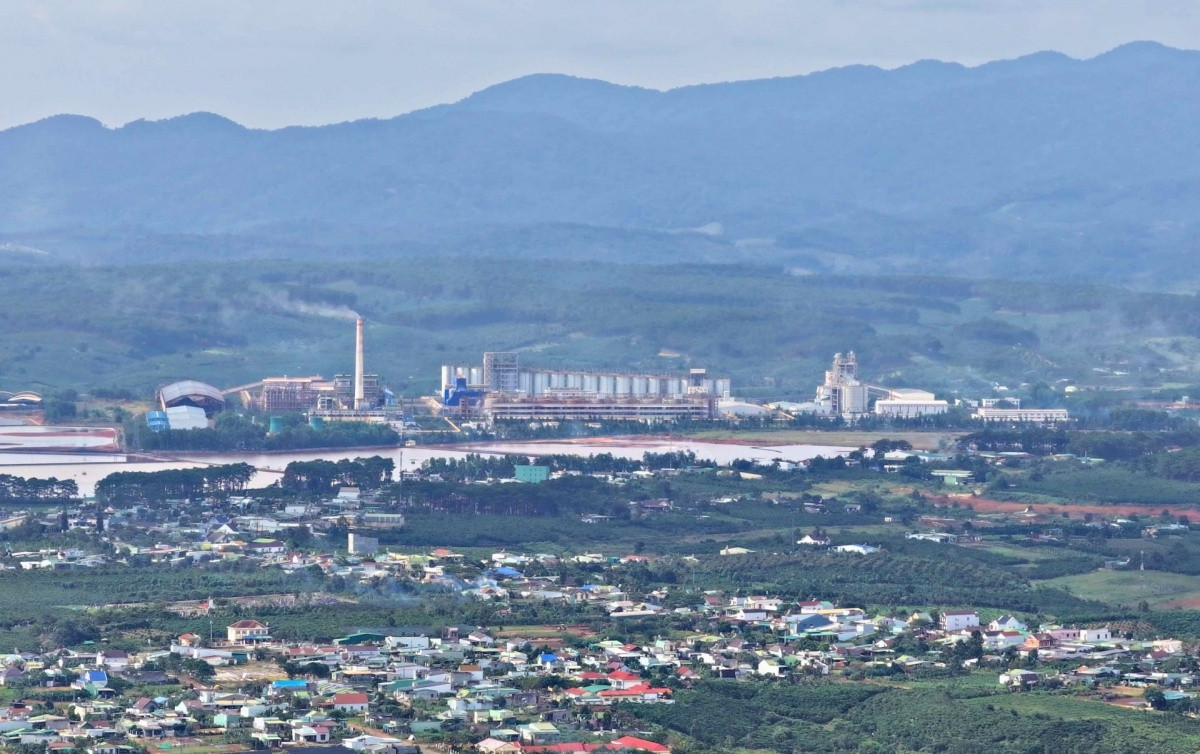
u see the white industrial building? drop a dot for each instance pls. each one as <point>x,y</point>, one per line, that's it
<point>1022,415</point>
<point>906,403</point>
<point>186,417</point>
<point>844,395</point>
<point>501,373</point>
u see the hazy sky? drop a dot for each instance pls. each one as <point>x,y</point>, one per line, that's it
<point>269,63</point>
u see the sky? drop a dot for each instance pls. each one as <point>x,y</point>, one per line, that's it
<point>273,63</point>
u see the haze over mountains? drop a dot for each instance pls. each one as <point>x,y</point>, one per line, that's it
<point>1044,165</point>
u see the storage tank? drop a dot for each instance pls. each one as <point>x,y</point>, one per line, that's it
<point>653,386</point>
<point>724,387</point>
<point>541,381</point>
<point>524,381</point>
<point>675,386</point>
<point>624,383</point>
<point>591,383</point>
<point>558,379</point>
<point>575,380</point>
<point>275,425</point>
<point>638,385</point>
<point>447,375</point>
<point>607,385</point>
<point>476,376</point>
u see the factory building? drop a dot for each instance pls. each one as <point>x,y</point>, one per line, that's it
<point>506,406</point>
<point>1022,415</point>
<point>903,403</point>
<point>358,396</point>
<point>501,373</point>
<point>502,389</point>
<point>26,399</point>
<point>191,393</point>
<point>844,394</point>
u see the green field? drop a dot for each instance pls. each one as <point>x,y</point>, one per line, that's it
<point>1128,588</point>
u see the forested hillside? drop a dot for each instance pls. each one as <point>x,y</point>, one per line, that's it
<point>773,332</point>
<point>1044,165</point>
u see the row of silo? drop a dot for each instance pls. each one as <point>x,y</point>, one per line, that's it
<point>603,384</point>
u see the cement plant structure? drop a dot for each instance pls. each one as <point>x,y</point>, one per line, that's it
<point>360,396</point>
<point>500,389</point>
<point>843,394</point>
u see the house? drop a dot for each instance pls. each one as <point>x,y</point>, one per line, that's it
<point>772,669</point>
<point>266,546</point>
<point>95,678</point>
<point>621,679</point>
<point>817,541</point>
<point>1019,678</point>
<point>352,702</point>
<point>113,659</point>
<point>310,734</point>
<point>1006,623</point>
<point>1089,635</point>
<point>1001,640</point>
<point>1039,641</point>
<point>496,746</point>
<point>247,632</point>
<point>958,620</point>
<point>538,733</point>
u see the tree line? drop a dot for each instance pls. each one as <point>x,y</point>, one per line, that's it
<point>15,489</point>
<point>147,486</point>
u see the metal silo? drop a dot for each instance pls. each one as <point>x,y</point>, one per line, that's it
<point>724,387</point>
<point>607,385</point>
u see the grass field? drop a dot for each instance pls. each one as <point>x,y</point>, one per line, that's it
<point>1145,726</point>
<point>1030,554</point>
<point>920,440</point>
<point>1128,588</point>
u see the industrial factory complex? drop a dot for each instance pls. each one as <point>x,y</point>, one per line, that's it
<point>501,389</point>
<point>843,394</point>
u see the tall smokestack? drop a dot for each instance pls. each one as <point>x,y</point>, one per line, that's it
<point>358,364</point>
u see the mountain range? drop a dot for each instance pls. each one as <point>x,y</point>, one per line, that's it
<point>1084,170</point>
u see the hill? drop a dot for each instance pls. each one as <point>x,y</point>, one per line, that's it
<point>772,331</point>
<point>1044,165</point>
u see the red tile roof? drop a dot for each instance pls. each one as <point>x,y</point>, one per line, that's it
<point>637,744</point>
